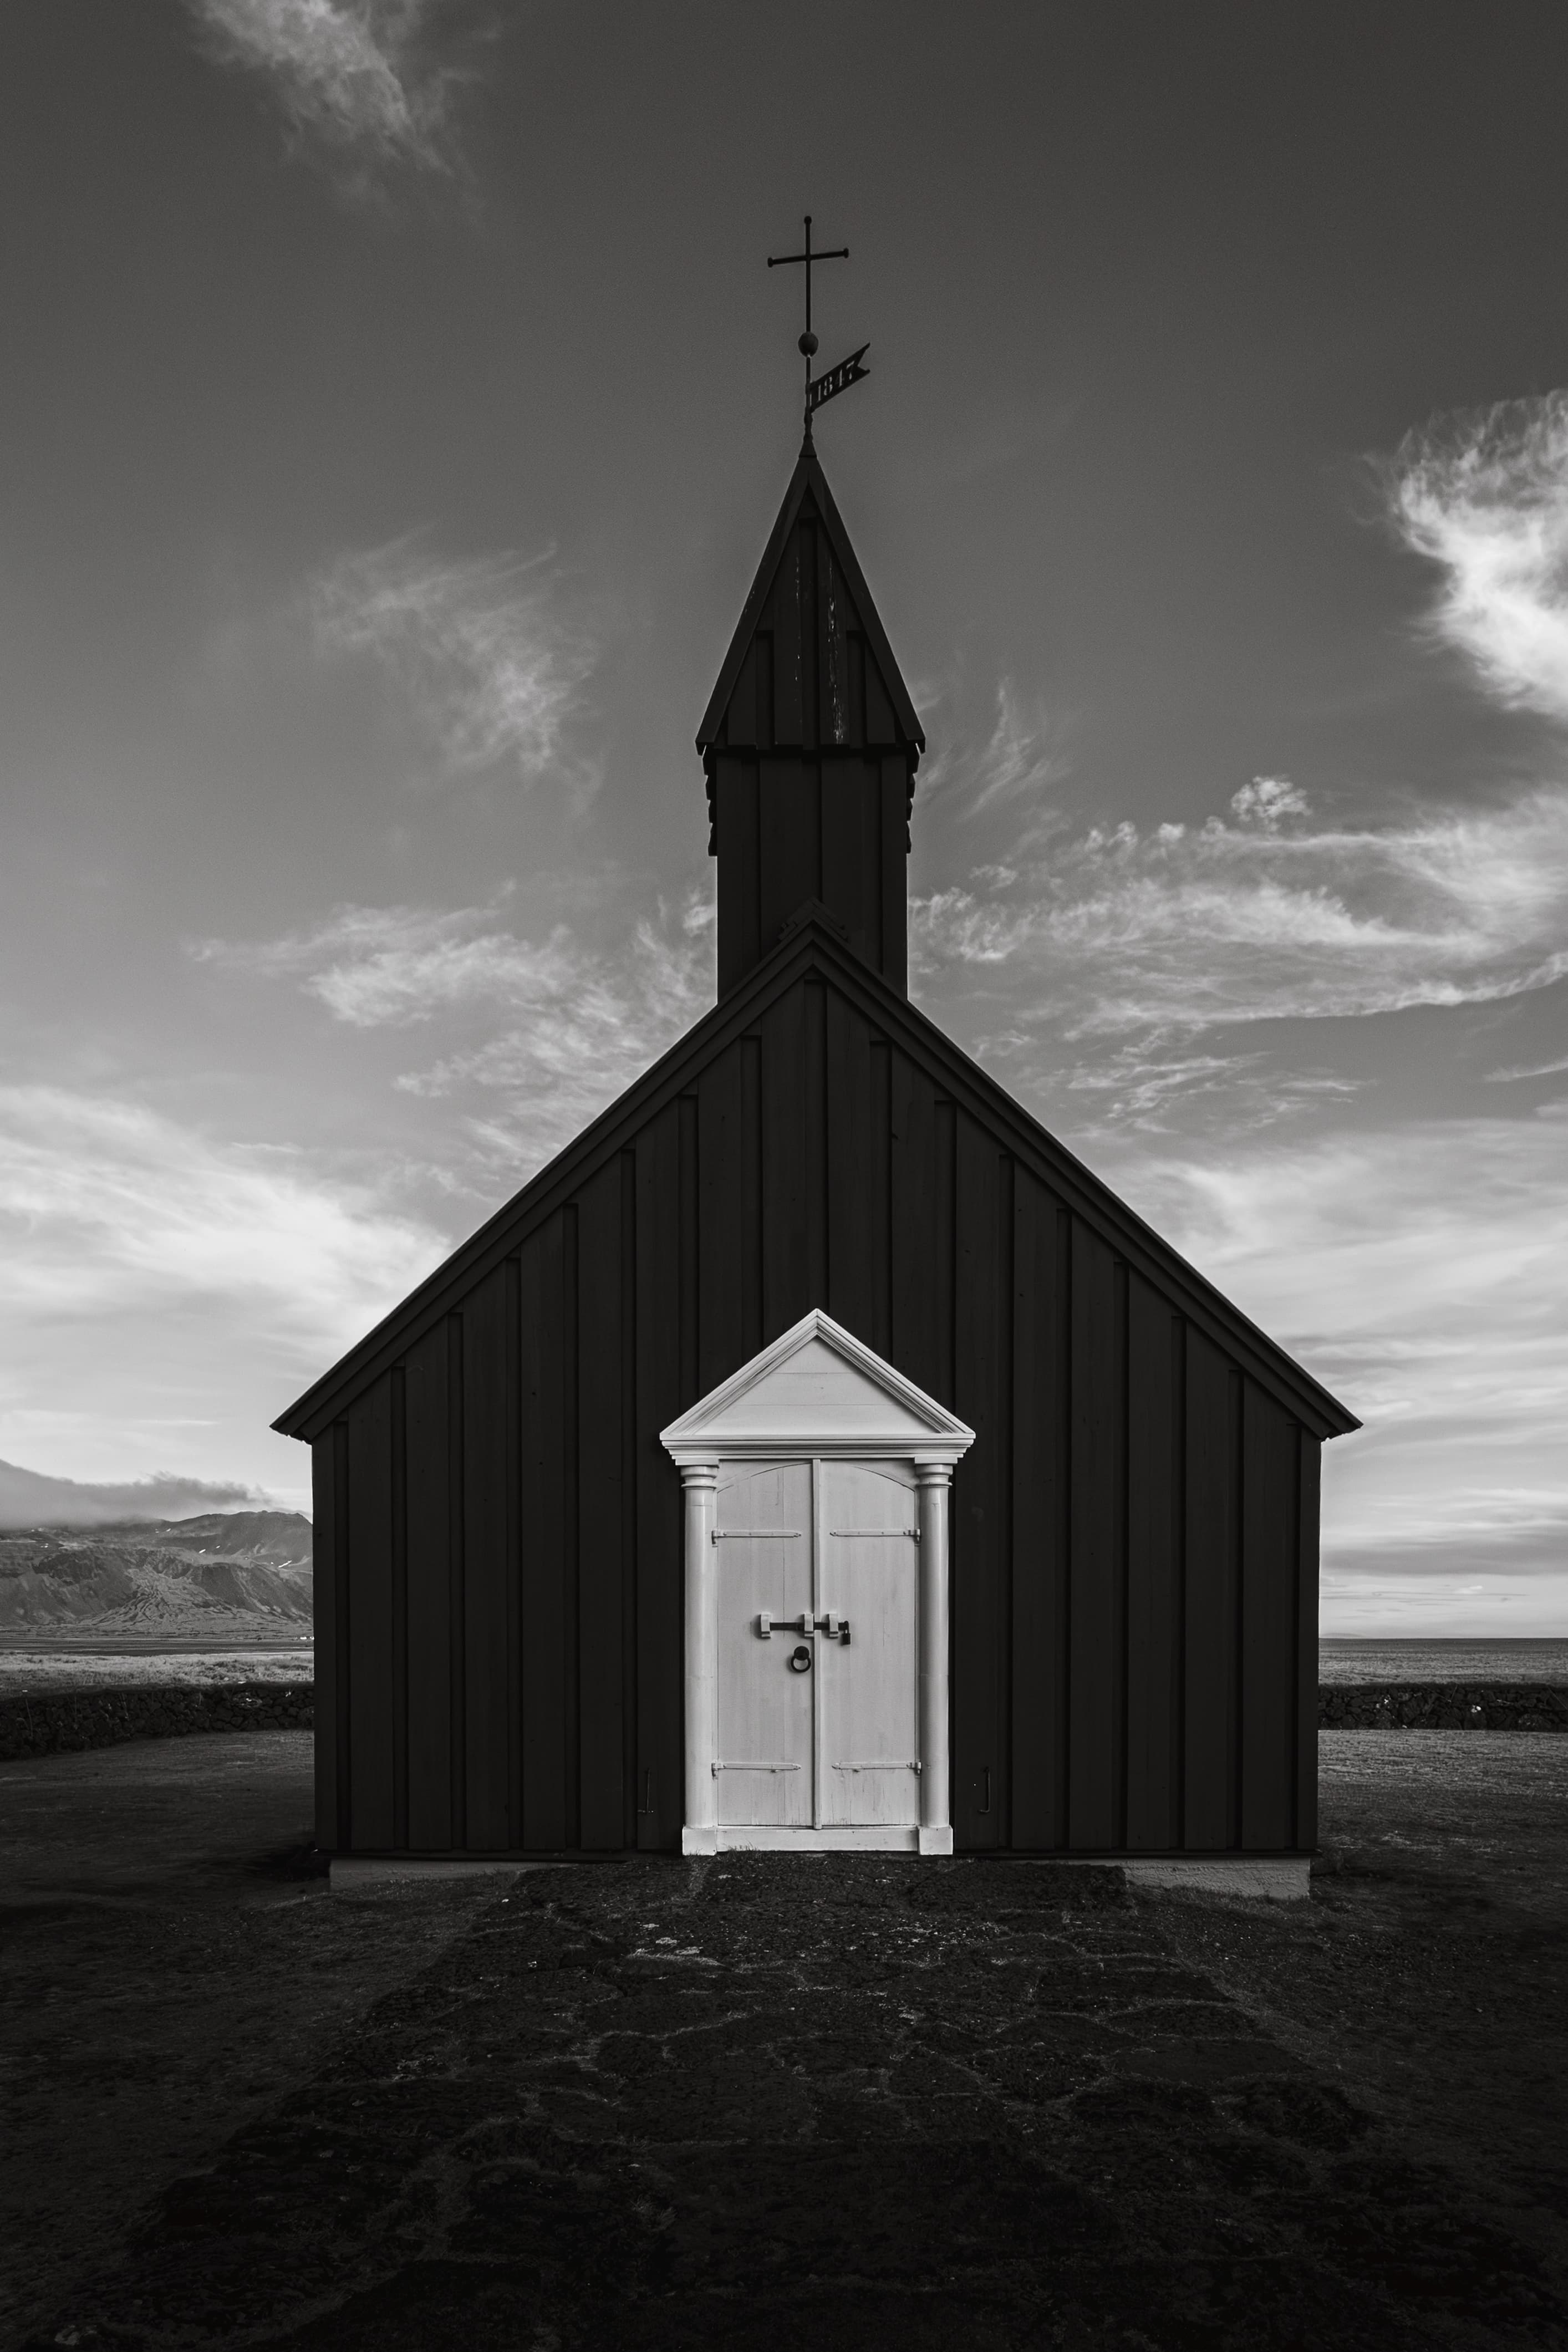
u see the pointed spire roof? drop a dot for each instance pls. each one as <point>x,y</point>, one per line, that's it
<point>808,492</point>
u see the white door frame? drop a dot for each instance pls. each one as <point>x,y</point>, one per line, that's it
<point>816,1393</point>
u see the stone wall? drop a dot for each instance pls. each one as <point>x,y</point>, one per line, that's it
<point>1442,1706</point>
<point>63,1720</point>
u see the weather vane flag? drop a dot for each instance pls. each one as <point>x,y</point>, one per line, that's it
<point>833,380</point>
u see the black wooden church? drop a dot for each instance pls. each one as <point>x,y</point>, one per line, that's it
<point>579,1587</point>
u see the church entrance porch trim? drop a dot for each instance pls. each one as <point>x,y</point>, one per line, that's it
<point>816,1702</point>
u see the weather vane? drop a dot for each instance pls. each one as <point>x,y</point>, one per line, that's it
<point>833,380</point>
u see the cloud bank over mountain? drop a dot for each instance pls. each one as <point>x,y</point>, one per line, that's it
<point>28,1498</point>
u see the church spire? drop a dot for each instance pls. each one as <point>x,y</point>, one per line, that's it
<point>810,744</point>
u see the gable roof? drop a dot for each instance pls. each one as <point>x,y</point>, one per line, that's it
<point>812,948</point>
<point>809,483</point>
<point>818,1387</point>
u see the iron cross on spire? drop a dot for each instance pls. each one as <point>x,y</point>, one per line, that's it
<point>847,371</point>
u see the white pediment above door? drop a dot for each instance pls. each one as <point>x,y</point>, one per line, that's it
<point>817,1390</point>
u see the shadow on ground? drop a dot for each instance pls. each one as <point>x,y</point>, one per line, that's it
<point>869,2103</point>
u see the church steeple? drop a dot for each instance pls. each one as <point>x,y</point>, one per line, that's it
<point>810,745</point>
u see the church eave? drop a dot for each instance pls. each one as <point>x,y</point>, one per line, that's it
<point>511,1224</point>
<point>813,945</point>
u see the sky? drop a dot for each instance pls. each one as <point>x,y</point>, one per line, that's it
<point>394,403</point>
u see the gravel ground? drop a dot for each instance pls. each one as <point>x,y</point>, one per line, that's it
<point>768,2101</point>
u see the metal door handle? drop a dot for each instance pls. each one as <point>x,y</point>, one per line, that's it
<point>836,1628</point>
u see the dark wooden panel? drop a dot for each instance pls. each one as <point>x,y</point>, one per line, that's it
<point>399,1608</point>
<point>879,1195</point>
<point>851,852</point>
<point>630,1794</point>
<point>458,1549</point>
<point>921,1250</point>
<point>741,715</point>
<point>602,1338</point>
<point>789,833</point>
<point>490,1469</point>
<point>850,1290</point>
<point>812,1116</point>
<point>811,649</point>
<point>750,1180</point>
<point>1213,1471</point>
<point>893,956</point>
<point>1153,1562</point>
<point>1039,1779</point>
<point>725,1213</point>
<point>981,1548</point>
<point>880,726</point>
<point>1269,1548</point>
<point>785,613</point>
<point>1309,1472</point>
<point>739,885</point>
<point>689,1243</point>
<point>328,1590</point>
<point>942,1273</point>
<point>767,734</point>
<point>834,609</point>
<point>785,1286</point>
<point>427,1415</point>
<point>370,1618</point>
<point>661,1594</point>
<point>547,1569</point>
<point>1095,1631</point>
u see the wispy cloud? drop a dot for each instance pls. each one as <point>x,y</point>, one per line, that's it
<point>1531,1070</point>
<point>490,669</point>
<point>1174,928</point>
<point>153,1281</point>
<point>563,1027</point>
<point>1485,498</point>
<point>108,1205</point>
<point>1022,757</point>
<point>354,73</point>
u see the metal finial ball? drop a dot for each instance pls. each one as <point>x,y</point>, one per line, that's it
<point>808,344</point>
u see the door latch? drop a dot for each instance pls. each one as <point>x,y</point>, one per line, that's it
<point>836,1628</point>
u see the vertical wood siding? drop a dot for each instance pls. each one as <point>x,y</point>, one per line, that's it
<point>810,779</point>
<point>433,1822</point>
<point>329,1589</point>
<point>499,1579</point>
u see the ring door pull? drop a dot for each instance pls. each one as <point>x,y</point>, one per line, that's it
<point>800,1659</point>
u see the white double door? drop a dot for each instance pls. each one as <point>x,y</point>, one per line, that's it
<point>817,1575</point>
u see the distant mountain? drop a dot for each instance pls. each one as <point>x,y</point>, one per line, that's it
<point>31,1499</point>
<point>226,1574</point>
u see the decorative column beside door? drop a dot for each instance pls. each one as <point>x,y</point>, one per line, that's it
<point>935,1482</point>
<point>700,1480</point>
